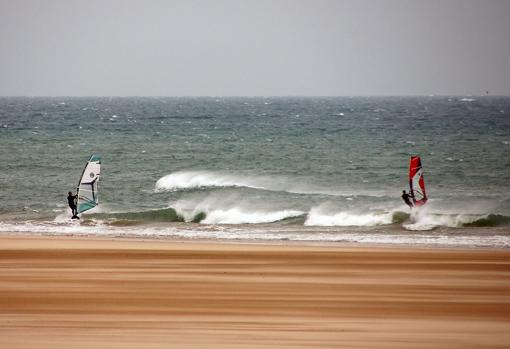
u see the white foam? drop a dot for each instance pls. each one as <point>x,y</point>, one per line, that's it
<point>231,208</point>
<point>238,216</point>
<point>424,218</point>
<point>317,217</point>
<point>281,233</point>
<point>65,227</point>
<point>63,217</point>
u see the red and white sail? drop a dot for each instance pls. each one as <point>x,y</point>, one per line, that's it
<point>416,182</point>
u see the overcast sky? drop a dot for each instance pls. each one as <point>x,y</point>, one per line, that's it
<point>254,47</point>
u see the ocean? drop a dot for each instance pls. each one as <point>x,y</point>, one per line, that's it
<point>299,169</point>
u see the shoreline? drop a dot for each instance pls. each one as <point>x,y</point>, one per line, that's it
<point>262,242</point>
<point>283,243</point>
<point>97,292</point>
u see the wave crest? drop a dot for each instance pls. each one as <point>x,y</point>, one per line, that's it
<point>237,216</point>
<point>183,180</point>
<point>188,180</point>
<point>490,220</point>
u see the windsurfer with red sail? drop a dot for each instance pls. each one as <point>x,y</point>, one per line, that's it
<point>417,195</point>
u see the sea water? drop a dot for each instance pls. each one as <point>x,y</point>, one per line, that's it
<point>311,169</point>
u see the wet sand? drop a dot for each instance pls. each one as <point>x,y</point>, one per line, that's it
<point>60,292</point>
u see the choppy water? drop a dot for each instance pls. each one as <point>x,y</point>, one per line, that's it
<point>314,169</point>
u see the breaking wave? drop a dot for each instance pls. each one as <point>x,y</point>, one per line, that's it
<point>314,217</point>
<point>423,220</point>
<point>237,216</point>
<point>490,220</point>
<point>188,180</point>
<point>201,179</point>
<point>216,216</point>
<point>250,223</point>
<point>220,208</point>
<point>317,218</point>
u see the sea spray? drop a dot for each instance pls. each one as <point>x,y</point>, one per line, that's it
<point>189,180</point>
<point>183,180</point>
<point>238,216</point>
<point>318,217</point>
<point>232,208</point>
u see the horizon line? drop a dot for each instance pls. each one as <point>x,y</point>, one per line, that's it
<point>253,96</point>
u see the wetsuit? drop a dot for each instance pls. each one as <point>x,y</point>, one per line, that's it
<point>406,197</point>
<point>71,201</point>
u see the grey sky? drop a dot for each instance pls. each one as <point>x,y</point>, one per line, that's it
<point>254,47</point>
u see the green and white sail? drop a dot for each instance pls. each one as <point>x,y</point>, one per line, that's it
<point>88,187</point>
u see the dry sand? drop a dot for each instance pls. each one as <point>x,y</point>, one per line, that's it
<point>93,293</point>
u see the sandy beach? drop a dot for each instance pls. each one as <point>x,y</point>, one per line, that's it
<point>58,292</point>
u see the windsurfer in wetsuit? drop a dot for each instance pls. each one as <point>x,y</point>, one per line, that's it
<point>71,200</point>
<point>406,197</point>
